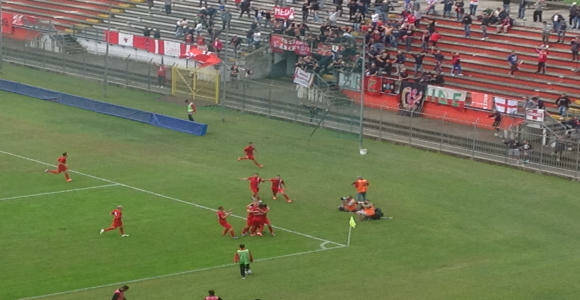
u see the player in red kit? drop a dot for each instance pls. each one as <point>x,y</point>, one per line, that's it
<point>278,185</point>
<point>261,219</point>
<point>250,154</point>
<point>222,215</point>
<point>250,209</point>
<point>117,221</point>
<point>255,181</point>
<point>62,168</point>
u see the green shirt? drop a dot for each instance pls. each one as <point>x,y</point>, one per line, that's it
<point>244,256</point>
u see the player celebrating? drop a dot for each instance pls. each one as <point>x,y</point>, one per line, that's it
<point>117,221</point>
<point>255,181</point>
<point>278,185</point>
<point>250,209</point>
<point>250,154</point>
<point>222,215</point>
<point>261,219</point>
<point>62,168</point>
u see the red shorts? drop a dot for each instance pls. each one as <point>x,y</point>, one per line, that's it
<point>116,224</point>
<point>250,157</point>
<point>254,190</point>
<point>258,221</point>
<point>277,191</point>
<point>61,168</point>
<point>225,225</point>
<point>266,220</point>
<point>249,220</point>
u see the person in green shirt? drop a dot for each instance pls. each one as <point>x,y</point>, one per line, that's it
<point>243,256</point>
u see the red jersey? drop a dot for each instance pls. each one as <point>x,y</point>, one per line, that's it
<point>542,56</point>
<point>117,214</point>
<point>212,298</point>
<point>277,183</point>
<point>249,150</point>
<point>119,295</point>
<point>62,160</point>
<point>161,71</point>
<point>221,216</point>
<point>255,181</point>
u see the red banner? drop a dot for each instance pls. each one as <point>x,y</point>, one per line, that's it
<point>6,23</point>
<point>283,12</point>
<point>282,43</point>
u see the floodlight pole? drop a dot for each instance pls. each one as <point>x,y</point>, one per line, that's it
<point>362,94</point>
<point>107,37</point>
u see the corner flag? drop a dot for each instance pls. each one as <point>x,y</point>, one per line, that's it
<point>352,222</point>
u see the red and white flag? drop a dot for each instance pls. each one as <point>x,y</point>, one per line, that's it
<point>283,12</point>
<point>506,106</point>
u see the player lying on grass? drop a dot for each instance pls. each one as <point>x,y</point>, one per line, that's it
<point>61,168</point>
<point>278,186</point>
<point>249,150</point>
<point>117,221</point>
<point>255,181</point>
<point>348,204</point>
<point>222,215</point>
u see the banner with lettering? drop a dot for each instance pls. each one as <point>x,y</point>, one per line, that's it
<point>303,78</point>
<point>446,96</point>
<point>283,12</point>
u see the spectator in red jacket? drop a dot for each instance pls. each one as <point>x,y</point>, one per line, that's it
<point>542,58</point>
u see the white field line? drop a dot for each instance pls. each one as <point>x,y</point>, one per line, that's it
<point>168,197</point>
<point>177,274</point>
<point>60,192</point>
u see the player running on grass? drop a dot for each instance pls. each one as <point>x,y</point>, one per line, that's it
<point>62,168</point>
<point>222,215</point>
<point>255,181</point>
<point>278,185</point>
<point>250,154</point>
<point>117,221</point>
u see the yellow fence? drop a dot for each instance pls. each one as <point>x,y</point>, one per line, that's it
<point>196,83</point>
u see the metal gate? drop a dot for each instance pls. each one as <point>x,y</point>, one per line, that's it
<point>197,84</point>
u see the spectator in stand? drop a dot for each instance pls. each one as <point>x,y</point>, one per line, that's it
<point>333,16</point>
<point>419,61</point>
<point>505,25</point>
<point>352,8</point>
<point>522,9</point>
<point>467,25</point>
<point>226,19</point>
<point>235,42</point>
<point>456,62</point>
<point>156,33</point>
<point>147,32</point>
<point>431,27</point>
<point>218,45</point>
<point>574,47</point>
<point>538,10</point>
<point>202,3</point>
<point>400,60</point>
<point>459,10</point>
<point>438,62</point>
<point>431,7</point>
<point>425,41</point>
<point>245,8</point>
<point>473,6</point>
<point>513,62</point>
<point>546,30</point>
<point>167,5</point>
<point>161,75</point>
<point>315,7</point>
<point>238,2</point>
<point>447,6</point>
<point>257,39</point>
<point>562,32</point>
<point>556,21</point>
<point>338,4</point>
<point>563,103</point>
<point>496,115</point>
<point>434,38</point>
<point>150,4</point>
<point>267,17</point>
<point>305,11</point>
<point>484,24</point>
<point>574,16</point>
<point>542,58</point>
<point>506,6</point>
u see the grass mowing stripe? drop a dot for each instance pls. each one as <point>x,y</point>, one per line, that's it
<point>181,273</point>
<point>60,192</point>
<point>170,198</point>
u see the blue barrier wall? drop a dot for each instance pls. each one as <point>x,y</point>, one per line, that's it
<point>105,108</point>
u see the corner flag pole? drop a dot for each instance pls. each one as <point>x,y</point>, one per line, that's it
<point>351,225</point>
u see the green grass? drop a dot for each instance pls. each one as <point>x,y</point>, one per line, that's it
<point>461,229</point>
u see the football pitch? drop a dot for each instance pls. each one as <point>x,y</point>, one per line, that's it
<point>461,229</point>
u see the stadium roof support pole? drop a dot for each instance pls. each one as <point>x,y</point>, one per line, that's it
<point>362,94</point>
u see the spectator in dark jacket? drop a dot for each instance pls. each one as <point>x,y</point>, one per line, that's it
<point>467,25</point>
